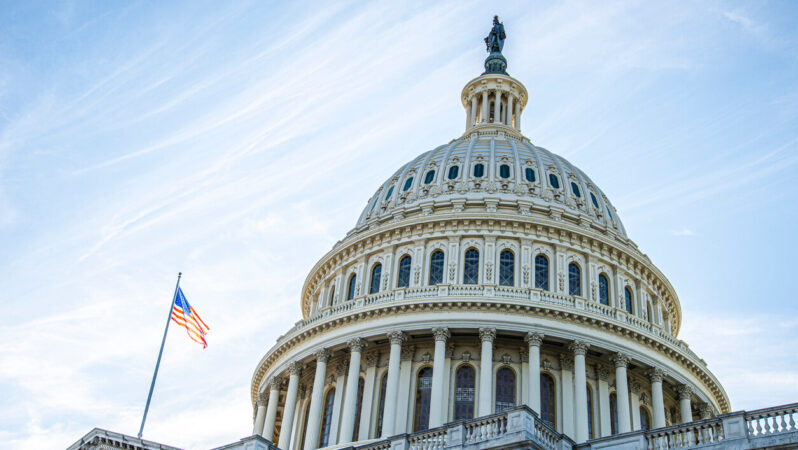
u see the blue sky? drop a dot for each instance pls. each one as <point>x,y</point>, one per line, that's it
<point>238,141</point>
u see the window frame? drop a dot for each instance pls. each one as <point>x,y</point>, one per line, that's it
<point>376,276</point>
<point>502,264</point>
<point>471,267</point>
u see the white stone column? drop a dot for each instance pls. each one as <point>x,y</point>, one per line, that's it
<point>436,396</point>
<point>473,116</point>
<point>524,380</point>
<point>634,401</point>
<point>260,415</point>
<point>510,109</point>
<point>396,339</point>
<point>364,430</point>
<point>567,380</point>
<point>685,392</point>
<point>534,340</point>
<point>271,408</point>
<point>518,115</point>
<point>341,370</point>
<point>316,400</point>
<point>622,391</point>
<point>497,107</point>
<point>404,397</point>
<point>487,335</point>
<point>603,374</point>
<point>657,400</point>
<point>350,400</point>
<point>485,112</point>
<point>580,389</point>
<point>447,378</point>
<point>290,405</point>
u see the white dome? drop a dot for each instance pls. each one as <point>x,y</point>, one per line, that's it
<point>516,175</point>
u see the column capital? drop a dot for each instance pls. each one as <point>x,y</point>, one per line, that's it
<point>322,355</point>
<point>342,367</point>
<point>635,387</point>
<point>566,362</point>
<point>263,399</point>
<point>407,352</point>
<point>372,358</point>
<point>534,339</point>
<point>356,344</point>
<point>602,372</point>
<point>449,351</point>
<point>524,355</point>
<point>620,359</point>
<point>655,374</point>
<point>487,334</point>
<point>579,347</point>
<point>276,383</point>
<point>705,410</point>
<point>441,334</point>
<point>685,392</point>
<point>397,337</point>
<point>295,368</point>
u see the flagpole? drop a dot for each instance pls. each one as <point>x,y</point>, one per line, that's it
<point>158,364</point>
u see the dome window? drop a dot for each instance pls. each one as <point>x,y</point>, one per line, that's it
<point>436,268</point>
<point>429,177</point>
<point>453,172</point>
<point>529,174</point>
<point>471,267</point>
<point>554,181</point>
<point>376,200</point>
<point>574,280</point>
<point>504,171</point>
<point>479,170</point>
<point>576,190</point>
<point>609,214</point>
<point>593,199</point>
<point>408,183</point>
<point>388,195</point>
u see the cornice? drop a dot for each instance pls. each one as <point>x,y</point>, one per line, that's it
<point>537,227</point>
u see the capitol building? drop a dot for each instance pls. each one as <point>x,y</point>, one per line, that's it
<point>489,296</point>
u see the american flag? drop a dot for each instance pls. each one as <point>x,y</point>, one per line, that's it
<point>185,316</point>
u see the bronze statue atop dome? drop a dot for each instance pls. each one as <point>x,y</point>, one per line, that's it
<point>496,37</point>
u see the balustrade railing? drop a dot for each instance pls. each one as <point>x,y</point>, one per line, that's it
<point>691,434</point>
<point>428,440</point>
<point>770,421</point>
<point>485,428</point>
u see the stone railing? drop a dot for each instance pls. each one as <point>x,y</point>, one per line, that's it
<point>763,428</point>
<point>519,427</point>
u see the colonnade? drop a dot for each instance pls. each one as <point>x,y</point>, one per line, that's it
<point>505,112</point>
<point>574,373</point>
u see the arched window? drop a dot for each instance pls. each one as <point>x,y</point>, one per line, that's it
<point>376,275</point>
<point>388,195</point>
<point>593,199</point>
<point>326,418</point>
<point>465,380</point>
<point>589,412</point>
<point>383,387</point>
<point>575,190</point>
<point>506,268</point>
<point>645,419</point>
<point>423,395</point>
<point>574,280</point>
<point>352,285</point>
<point>613,413</point>
<point>504,171</point>
<point>505,389</point>
<point>436,268</point>
<point>479,170</point>
<point>361,383</point>
<point>542,272</point>
<point>604,289</point>
<point>408,183</point>
<point>548,407</point>
<point>554,181</point>
<point>403,278</point>
<point>529,173</point>
<point>627,294</point>
<point>453,172</point>
<point>332,295</point>
<point>429,177</point>
<point>471,267</point>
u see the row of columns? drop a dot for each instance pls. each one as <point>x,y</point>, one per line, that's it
<point>267,411</point>
<point>513,109</point>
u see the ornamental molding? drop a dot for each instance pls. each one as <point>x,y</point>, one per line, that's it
<point>295,368</point>
<point>441,334</point>
<point>655,374</point>
<point>680,356</point>
<point>372,358</point>
<point>685,392</point>
<point>534,338</point>
<point>602,372</point>
<point>407,352</point>
<point>322,355</point>
<point>276,383</point>
<point>620,360</point>
<point>579,348</point>
<point>566,362</point>
<point>397,337</point>
<point>356,344</point>
<point>487,334</point>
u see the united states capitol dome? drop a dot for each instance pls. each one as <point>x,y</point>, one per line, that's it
<point>484,275</point>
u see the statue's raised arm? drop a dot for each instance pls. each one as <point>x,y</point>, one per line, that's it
<point>496,37</point>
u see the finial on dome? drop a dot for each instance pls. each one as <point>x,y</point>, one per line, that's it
<point>495,62</point>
